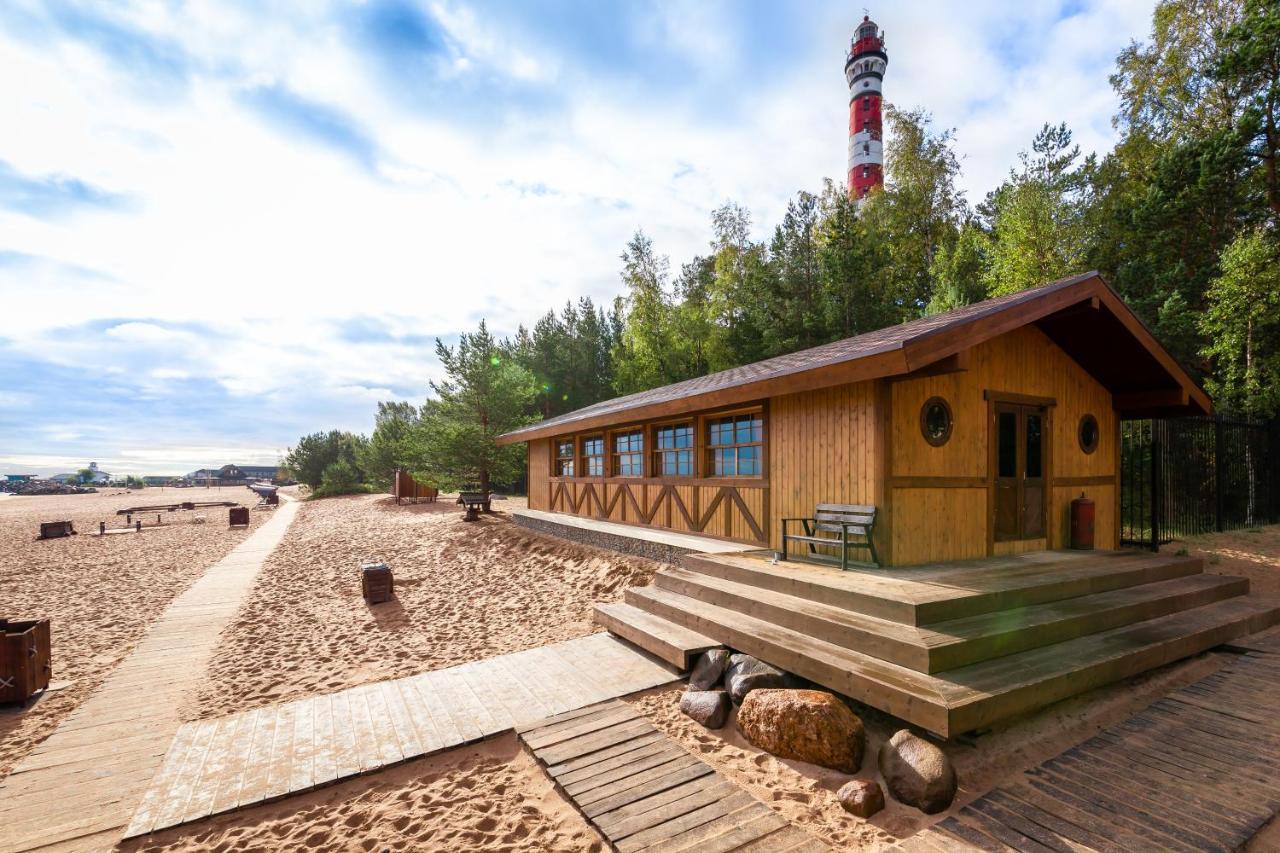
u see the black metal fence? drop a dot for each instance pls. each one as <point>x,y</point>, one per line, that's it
<point>1181,477</point>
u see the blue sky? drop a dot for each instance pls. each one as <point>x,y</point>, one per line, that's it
<point>225,224</point>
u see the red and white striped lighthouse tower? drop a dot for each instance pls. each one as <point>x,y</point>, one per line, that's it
<point>864,69</point>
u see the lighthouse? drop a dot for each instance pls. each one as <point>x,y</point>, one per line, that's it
<point>864,69</point>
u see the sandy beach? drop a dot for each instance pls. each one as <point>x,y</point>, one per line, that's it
<point>463,591</point>
<point>100,592</point>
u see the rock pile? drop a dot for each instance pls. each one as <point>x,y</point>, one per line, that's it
<point>817,727</point>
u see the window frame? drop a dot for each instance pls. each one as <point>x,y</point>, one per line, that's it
<point>710,448</point>
<point>1088,417</point>
<point>587,457</point>
<point>615,454</point>
<point>657,453</point>
<point>938,441</point>
<point>572,458</point>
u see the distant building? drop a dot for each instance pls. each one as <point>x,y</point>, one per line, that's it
<point>158,481</point>
<point>99,477</point>
<point>232,475</point>
<point>20,478</point>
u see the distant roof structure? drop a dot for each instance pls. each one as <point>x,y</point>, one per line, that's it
<point>1081,314</point>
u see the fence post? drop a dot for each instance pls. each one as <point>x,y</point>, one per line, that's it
<point>1157,501</point>
<point>1219,477</point>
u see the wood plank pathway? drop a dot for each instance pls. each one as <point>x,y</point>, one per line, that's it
<point>219,765</point>
<point>1194,771</point>
<point>643,791</point>
<point>78,788</point>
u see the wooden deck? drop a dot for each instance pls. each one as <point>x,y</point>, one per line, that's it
<point>78,788</point>
<point>219,765</point>
<point>956,646</point>
<point>1194,771</point>
<point>643,791</point>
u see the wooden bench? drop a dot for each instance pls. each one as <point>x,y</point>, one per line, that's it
<point>474,502</point>
<point>840,526</point>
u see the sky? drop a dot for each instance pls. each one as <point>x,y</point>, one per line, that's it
<point>226,224</point>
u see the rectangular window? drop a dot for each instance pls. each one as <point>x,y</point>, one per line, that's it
<point>564,458</point>
<point>1007,444</point>
<point>593,456</point>
<point>735,445</point>
<point>673,453</point>
<point>1035,459</point>
<point>628,454</point>
<point>866,103</point>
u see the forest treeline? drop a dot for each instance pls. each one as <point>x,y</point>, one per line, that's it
<point>1180,217</point>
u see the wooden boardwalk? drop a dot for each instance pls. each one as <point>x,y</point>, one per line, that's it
<point>78,788</point>
<point>1196,770</point>
<point>233,762</point>
<point>642,791</point>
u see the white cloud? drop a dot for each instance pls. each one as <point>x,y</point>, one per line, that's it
<point>250,247</point>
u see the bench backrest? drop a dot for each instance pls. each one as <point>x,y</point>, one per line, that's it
<point>832,517</point>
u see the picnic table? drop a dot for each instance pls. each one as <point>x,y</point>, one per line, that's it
<point>474,502</point>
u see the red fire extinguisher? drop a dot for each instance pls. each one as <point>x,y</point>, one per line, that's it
<point>1082,523</point>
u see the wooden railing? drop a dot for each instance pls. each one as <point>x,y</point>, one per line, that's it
<point>723,507</point>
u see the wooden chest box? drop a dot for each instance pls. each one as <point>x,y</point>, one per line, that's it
<point>376,582</point>
<point>239,516</point>
<point>56,529</point>
<point>25,659</point>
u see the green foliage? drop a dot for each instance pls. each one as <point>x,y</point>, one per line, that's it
<point>644,355</point>
<point>387,449</point>
<point>307,461</point>
<point>341,477</point>
<point>1242,325</point>
<point>85,475</point>
<point>486,394</point>
<point>1038,217</point>
<point>570,356</point>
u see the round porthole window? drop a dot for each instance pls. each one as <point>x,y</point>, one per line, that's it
<point>1089,433</point>
<point>935,421</point>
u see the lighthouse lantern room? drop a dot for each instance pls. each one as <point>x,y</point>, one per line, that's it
<point>864,70</point>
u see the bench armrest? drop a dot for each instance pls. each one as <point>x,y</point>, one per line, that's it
<point>800,518</point>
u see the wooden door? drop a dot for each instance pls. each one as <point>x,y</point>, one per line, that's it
<point>1020,440</point>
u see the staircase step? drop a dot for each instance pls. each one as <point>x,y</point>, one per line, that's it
<point>974,696</point>
<point>960,642</point>
<point>925,595</point>
<point>948,645</point>
<point>669,641</point>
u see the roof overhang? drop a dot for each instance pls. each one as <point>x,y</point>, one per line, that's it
<point>1082,315</point>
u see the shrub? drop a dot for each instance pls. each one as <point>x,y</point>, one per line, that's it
<point>340,478</point>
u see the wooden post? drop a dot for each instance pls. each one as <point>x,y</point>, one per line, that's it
<point>1218,474</point>
<point>1156,497</point>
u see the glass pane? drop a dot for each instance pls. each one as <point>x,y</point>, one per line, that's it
<point>748,461</point>
<point>743,431</point>
<point>1007,445</point>
<point>1034,456</point>
<point>684,436</point>
<point>684,463</point>
<point>595,466</point>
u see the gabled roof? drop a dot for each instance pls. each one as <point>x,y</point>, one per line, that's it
<point>1081,314</point>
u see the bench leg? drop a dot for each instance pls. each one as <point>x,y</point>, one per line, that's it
<point>871,545</point>
<point>844,551</point>
<point>782,555</point>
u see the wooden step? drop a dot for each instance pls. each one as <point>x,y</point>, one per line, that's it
<point>960,642</point>
<point>974,696</point>
<point>925,595</point>
<point>948,645</point>
<point>671,642</point>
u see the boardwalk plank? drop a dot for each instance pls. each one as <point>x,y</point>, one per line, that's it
<point>257,770</point>
<point>384,732</point>
<point>325,767</point>
<point>302,762</point>
<point>279,768</point>
<point>398,717</point>
<point>346,755</point>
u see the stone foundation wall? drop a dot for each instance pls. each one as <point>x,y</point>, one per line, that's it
<point>611,542</point>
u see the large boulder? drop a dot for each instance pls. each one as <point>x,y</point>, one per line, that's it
<point>862,797</point>
<point>709,707</point>
<point>917,772</point>
<point>708,669</point>
<point>807,725</point>
<point>746,673</point>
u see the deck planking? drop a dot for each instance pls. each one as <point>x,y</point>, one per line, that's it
<point>216,766</point>
<point>1195,770</point>
<point>643,791</point>
<point>78,788</point>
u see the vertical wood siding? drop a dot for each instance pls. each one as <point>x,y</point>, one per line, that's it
<point>539,474</point>
<point>822,449</point>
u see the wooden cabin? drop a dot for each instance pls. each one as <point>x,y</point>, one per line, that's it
<point>970,432</point>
